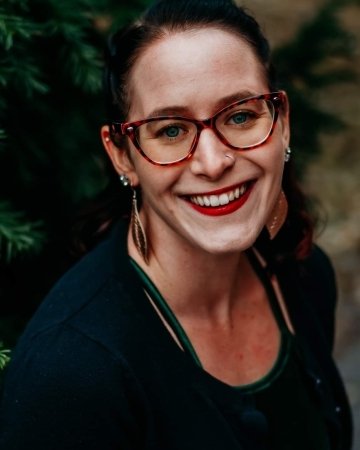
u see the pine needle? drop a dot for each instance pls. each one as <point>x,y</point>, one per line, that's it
<point>4,356</point>
<point>17,234</point>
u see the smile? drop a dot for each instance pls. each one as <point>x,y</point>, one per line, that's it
<point>221,202</point>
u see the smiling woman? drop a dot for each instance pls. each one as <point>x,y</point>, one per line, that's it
<point>206,320</point>
<point>196,81</point>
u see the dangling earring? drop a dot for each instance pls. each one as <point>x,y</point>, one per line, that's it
<point>287,154</point>
<point>137,230</point>
<point>278,216</point>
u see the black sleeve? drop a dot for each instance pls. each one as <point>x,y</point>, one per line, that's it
<point>309,288</point>
<point>320,283</point>
<point>67,392</point>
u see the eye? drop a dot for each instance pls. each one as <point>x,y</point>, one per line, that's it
<point>172,131</point>
<point>239,118</point>
<point>167,131</point>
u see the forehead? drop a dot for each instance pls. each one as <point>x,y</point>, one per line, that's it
<point>193,69</point>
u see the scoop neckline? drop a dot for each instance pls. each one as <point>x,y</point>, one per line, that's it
<point>188,350</point>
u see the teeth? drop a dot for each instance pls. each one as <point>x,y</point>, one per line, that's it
<point>214,200</point>
<point>200,200</point>
<point>224,199</point>
<point>219,200</point>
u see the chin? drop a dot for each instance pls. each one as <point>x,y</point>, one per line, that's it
<point>226,246</point>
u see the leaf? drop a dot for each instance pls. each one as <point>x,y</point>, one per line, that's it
<point>4,356</point>
<point>17,235</point>
<point>22,72</point>
<point>12,25</point>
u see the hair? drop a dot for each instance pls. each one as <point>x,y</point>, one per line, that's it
<point>166,17</point>
<point>173,16</point>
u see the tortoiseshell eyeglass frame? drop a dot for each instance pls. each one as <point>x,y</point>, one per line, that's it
<point>129,128</point>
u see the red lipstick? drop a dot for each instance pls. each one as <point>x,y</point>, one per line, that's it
<point>222,210</point>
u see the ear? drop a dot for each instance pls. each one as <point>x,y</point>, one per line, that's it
<point>119,157</point>
<point>284,116</point>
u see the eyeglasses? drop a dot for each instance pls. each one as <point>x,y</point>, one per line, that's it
<point>168,140</point>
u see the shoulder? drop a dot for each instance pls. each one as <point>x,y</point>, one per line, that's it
<point>312,297</point>
<point>92,311</point>
<point>310,291</point>
<point>318,263</point>
<point>93,283</point>
<point>70,368</point>
<point>67,381</point>
<point>317,277</point>
<point>64,357</point>
<point>314,275</point>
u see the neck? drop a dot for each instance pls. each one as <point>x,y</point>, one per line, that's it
<point>196,283</point>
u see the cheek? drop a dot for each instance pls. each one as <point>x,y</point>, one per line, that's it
<point>155,181</point>
<point>276,171</point>
<point>271,160</point>
<point>275,154</point>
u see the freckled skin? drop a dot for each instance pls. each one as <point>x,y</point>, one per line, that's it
<point>193,255</point>
<point>195,70</point>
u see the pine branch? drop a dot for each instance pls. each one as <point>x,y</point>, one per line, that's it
<point>326,39</point>
<point>2,139</point>
<point>18,235</point>
<point>4,356</point>
<point>83,63</point>
<point>318,57</point>
<point>22,72</point>
<point>12,25</point>
<point>81,60</point>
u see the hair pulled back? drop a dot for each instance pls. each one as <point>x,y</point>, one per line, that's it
<point>163,18</point>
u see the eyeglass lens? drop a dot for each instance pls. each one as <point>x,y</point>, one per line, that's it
<point>242,126</point>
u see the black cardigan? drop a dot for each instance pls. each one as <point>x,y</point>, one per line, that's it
<point>96,368</point>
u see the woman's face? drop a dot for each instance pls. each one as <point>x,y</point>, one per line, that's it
<point>194,74</point>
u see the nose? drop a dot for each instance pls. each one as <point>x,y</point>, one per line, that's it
<point>211,158</point>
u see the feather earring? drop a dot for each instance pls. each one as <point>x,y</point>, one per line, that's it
<point>137,230</point>
<point>278,216</point>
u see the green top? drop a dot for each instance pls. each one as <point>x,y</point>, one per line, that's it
<point>292,420</point>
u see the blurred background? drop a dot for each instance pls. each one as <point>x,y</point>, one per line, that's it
<point>51,161</point>
<point>331,173</point>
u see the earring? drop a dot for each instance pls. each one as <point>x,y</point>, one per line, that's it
<point>107,139</point>
<point>124,180</point>
<point>278,216</point>
<point>287,154</point>
<point>137,230</point>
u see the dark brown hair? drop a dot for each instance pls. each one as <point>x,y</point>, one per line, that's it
<point>125,46</point>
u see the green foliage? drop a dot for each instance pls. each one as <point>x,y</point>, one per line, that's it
<point>318,57</point>
<point>17,235</point>
<point>4,356</point>
<point>50,112</point>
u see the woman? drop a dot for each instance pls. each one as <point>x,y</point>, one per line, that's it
<point>207,321</point>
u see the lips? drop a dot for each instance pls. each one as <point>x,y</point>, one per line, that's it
<point>223,201</point>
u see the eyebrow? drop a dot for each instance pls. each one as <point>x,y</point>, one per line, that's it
<point>178,110</point>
